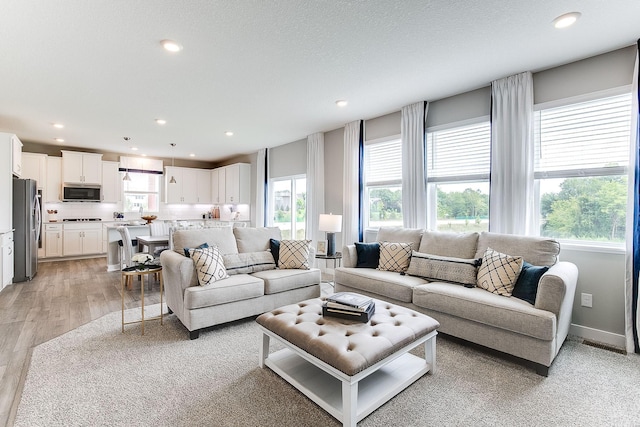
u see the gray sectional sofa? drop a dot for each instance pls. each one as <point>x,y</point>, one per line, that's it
<point>255,290</point>
<point>534,332</point>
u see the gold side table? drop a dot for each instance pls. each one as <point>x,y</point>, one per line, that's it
<point>126,274</point>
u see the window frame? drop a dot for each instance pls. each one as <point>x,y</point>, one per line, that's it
<point>292,179</point>
<point>577,244</point>
<point>434,181</point>
<point>158,193</point>
<point>377,184</point>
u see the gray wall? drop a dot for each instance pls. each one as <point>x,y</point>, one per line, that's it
<point>288,159</point>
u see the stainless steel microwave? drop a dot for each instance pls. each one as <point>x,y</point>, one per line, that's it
<point>81,193</point>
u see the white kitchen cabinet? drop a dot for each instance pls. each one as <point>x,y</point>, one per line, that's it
<point>81,168</point>
<point>34,166</point>
<point>237,184</point>
<point>111,182</point>
<point>53,240</point>
<point>53,189</point>
<point>185,189</point>
<point>218,186</point>
<point>203,177</point>
<point>16,156</point>
<point>7,258</point>
<point>6,183</point>
<point>81,239</point>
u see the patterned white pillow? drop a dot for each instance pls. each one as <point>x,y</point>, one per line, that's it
<point>499,272</point>
<point>294,254</point>
<point>394,256</point>
<point>209,265</point>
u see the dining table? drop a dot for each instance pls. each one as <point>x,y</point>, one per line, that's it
<point>152,242</point>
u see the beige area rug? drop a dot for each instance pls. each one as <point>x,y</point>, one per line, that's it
<point>97,376</point>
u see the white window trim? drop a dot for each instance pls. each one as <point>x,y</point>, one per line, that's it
<point>292,178</point>
<point>580,245</point>
<point>158,193</point>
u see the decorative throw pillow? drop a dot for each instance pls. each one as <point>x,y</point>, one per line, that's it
<point>202,246</point>
<point>394,256</point>
<point>368,255</point>
<point>248,262</point>
<point>294,254</point>
<point>448,269</point>
<point>274,245</point>
<point>498,272</point>
<point>209,265</point>
<point>526,287</point>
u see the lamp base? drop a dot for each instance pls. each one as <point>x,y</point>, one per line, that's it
<point>331,244</point>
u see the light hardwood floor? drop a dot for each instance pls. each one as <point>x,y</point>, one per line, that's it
<point>62,296</point>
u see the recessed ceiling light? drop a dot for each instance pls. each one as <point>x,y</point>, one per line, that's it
<point>341,103</point>
<point>171,46</point>
<point>161,121</point>
<point>228,133</point>
<point>58,139</point>
<point>134,148</point>
<point>566,20</point>
<point>58,125</point>
<point>192,155</point>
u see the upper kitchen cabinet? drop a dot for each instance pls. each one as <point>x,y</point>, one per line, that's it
<point>53,188</point>
<point>34,166</point>
<point>203,177</point>
<point>6,184</point>
<point>218,183</point>
<point>16,156</point>
<point>111,182</point>
<point>81,168</point>
<point>187,187</point>
<point>237,184</point>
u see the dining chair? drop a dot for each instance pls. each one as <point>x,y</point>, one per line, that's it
<point>128,247</point>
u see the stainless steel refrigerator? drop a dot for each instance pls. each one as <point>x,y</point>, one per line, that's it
<point>26,224</point>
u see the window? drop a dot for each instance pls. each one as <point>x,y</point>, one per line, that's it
<point>458,162</point>
<point>582,154</point>
<point>383,183</point>
<point>142,192</point>
<point>289,206</point>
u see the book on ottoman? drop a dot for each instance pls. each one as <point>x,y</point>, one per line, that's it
<point>350,300</point>
<point>360,315</point>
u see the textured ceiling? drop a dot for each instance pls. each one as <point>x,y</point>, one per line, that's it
<point>269,70</point>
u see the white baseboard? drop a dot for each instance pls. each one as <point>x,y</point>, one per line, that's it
<point>604,337</point>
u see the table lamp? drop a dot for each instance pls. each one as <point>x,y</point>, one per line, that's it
<point>331,224</point>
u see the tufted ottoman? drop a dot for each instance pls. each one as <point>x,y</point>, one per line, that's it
<point>346,367</point>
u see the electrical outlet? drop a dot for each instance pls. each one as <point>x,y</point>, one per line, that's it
<point>586,300</point>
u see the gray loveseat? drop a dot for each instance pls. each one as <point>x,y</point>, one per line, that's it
<point>254,291</point>
<point>534,332</point>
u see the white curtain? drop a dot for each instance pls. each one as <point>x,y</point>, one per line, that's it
<point>512,151</point>
<point>315,184</point>
<point>414,172</point>
<point>632,301</point>
<point>261,187</point>
<point>351,185</point>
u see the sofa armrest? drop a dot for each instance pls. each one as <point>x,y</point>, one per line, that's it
<point>178,274</point>
<point>556,291</point>
<point>349,256</point>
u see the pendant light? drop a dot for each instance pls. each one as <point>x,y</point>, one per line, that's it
<point>126,173</point>
<point>173,146</point>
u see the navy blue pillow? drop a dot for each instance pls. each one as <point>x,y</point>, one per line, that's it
<point>202,246</point>
<point>368,255</point>
<point>274,245</point>
<point>526,287</point>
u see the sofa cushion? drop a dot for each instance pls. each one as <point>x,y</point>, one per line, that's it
<point>368,255</point>
<point>294,254</point>
<point>448,269</point>
<point>475,304</point>
<point>400,235</point>
<point>220,236</point>
<point>284,280</point>
<point>535,250</point>
<point>209,265</point>
<point>459,245</point>
<point>526,287</point>
<point>498,272</point>
<point>248,262</point>
<point>234,288</point>
<point>255,239</point>
<point>394,256</point>
<point>384,283</point>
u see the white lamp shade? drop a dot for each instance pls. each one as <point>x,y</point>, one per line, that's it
<point>330,223</point>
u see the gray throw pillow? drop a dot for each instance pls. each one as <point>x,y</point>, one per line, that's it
<point>447,269</point>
